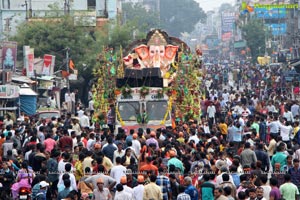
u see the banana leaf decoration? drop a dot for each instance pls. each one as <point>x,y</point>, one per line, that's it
<point>113,70</point>
<point>186,90</point>
<point>142,118</point>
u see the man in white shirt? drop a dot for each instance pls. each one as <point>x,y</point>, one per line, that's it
<point>91,107</point>
<point>80,112</point>
<point>8,121</point>
<point>68,169</point>
<point>121,194</point>
<point>84,121</point>
<point>118,170</point>
<point>288,115</point>
<point>73,100</point>
<point>285,131</point>
<point>138,191</point>
<point>211,112</point>
<point>226,96</point>
<point>273,124</point>
<point>136,145</point>
<point>219,178</point>
<point>68,101</point>
<point>120,152</point>
<point>63,162</point>
<point>271,108</point>
<point>91,142</point>
<point>295,109</point>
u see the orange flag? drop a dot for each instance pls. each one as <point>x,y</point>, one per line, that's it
<point>64,73</point>
<point>71,65</point>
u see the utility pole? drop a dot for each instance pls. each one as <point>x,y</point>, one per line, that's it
<point>105,9</point>
<point>67,7</point>
<point>30,9</point>
<point>68,69</point>
<point>26,8</point>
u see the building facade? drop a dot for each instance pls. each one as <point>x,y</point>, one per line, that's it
<point>15,12</point>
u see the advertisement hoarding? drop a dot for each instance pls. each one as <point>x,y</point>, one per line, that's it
<point>9,56</point>
<point>227,27</point>
<point>48,65</point>
<point>28,60</point>
<point>270,13</point>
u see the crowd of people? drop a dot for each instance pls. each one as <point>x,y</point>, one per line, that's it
<point>244,146</point>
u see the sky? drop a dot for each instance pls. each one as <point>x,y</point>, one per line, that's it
<point>208,5</point>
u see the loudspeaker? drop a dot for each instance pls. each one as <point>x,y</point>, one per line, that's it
<point>120,82</point>
<point>133,73</point>
<point>153,82</point>
<point>151,72</point>
<point>131,82</point>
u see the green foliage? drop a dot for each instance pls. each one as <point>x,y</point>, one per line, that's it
<point>120,36</point>
<point>136,16</point>
<point>254,33</point>
<point>178,16</point>
<point>53,37</point>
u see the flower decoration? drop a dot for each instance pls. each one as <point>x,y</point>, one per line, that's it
<point>160,94</point>
<point>169,91</point>
<point>117,92</point>
<point>126,91</point>
<point>144,91</point>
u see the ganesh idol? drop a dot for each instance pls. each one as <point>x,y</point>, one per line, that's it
<point>156,53</point>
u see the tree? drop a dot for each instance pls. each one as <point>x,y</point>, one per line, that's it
<point>53,38</point>
<point>47,37</point>
<point>254,33</point>
<point>178,16</point>
<point>226,7</point>
<point>136,16</point>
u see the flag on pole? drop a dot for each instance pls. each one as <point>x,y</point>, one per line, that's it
<point>71,65</point>
<point>65,74</point>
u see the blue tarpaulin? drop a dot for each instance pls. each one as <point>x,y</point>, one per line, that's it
<point>28,100</point>
<point>28,104</point>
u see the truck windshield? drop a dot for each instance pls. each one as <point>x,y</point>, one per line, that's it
<point>129,110</point>
<point>156,110</point>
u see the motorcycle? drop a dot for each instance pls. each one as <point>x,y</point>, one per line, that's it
<point>25,193</point>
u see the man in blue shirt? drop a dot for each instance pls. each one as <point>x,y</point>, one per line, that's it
<point>164,183</point>
<point>295,173</point>
<point>190,189</point>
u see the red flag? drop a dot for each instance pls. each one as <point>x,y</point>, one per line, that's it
<point>65,74</point>
<point>71,65</point>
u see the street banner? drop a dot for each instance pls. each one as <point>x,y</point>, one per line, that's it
<point>227,26</point>
<point>9,91</point>
<point>9,56</point>
<point>30,58</point>
<point>48,65</point>
<point>28,54</point>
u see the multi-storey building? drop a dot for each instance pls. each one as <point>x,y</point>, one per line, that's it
<point>14,12</point>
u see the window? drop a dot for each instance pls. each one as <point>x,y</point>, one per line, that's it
<point>129,110</point>
<point>156,110</point>
<point>6,4</point>
<point>91,4</point>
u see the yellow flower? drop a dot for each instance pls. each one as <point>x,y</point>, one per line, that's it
<point>167,75</point>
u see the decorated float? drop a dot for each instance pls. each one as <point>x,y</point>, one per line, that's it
<point>155,84</point>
